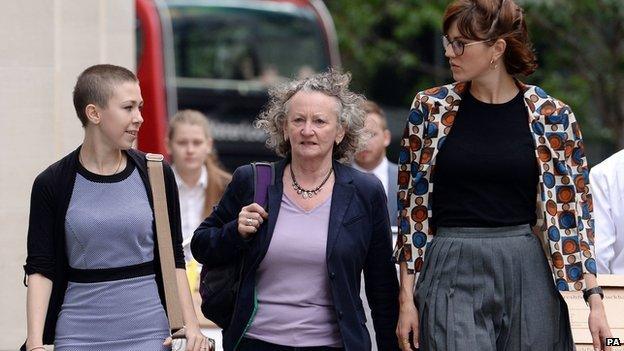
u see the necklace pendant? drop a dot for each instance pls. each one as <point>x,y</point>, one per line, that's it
<point>308,194</point>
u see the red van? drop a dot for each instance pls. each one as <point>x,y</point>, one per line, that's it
<point>219,57</point>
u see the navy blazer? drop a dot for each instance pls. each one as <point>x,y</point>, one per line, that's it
<point>358,239</point>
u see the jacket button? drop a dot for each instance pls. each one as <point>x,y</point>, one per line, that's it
<point>339,315</point>
<point>332,275</point>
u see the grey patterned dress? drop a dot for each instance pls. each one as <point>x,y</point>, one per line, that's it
<point>108,225</point>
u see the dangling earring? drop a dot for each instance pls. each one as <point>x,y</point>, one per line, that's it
<point>492,65</point>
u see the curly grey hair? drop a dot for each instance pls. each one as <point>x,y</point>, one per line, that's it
<point>351,114</point>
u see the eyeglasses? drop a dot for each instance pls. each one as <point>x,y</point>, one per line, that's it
<point>458,46</point>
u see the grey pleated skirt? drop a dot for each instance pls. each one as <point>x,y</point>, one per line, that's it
<point>490,289</point>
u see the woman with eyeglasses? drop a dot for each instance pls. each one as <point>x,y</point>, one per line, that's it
<point>508,222</point>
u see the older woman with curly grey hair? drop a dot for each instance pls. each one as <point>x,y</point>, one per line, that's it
<point>325,223</point>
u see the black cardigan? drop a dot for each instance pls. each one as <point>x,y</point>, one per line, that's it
<point>50,197</point>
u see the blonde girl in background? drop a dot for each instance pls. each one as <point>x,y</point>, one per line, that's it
<point>201,180</point>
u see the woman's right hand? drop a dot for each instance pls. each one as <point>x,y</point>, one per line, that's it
<point>249,220</point>
<point>408,323</point>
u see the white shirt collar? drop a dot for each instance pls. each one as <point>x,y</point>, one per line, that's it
<point>382,167</point>
<point>381,172</point>
<point>202,182</point>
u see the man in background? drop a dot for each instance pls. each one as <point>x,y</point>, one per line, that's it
<point>373,158</point>
<point>607,182</point>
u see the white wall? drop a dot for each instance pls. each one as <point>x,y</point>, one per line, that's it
<point>44,45</point>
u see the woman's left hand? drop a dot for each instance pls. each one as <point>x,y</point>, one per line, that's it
<point>598,325</point>
<point>195,340</point>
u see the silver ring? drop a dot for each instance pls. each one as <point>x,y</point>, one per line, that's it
<point>249,221</point>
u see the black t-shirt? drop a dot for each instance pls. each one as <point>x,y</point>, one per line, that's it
<point>486,170</point>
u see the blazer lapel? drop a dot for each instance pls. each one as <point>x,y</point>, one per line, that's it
<point>341,198</point>
<point>440,121</point>
<point>275,200</point>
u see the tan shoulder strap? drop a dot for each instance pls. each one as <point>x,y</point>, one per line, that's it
<point>165,246</point>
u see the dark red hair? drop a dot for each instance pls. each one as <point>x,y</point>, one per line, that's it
<point>494,19</point>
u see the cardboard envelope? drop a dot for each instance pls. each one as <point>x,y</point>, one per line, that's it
<point>613,286</point>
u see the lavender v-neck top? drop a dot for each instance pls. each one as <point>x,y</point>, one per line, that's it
<point>295,306</point>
